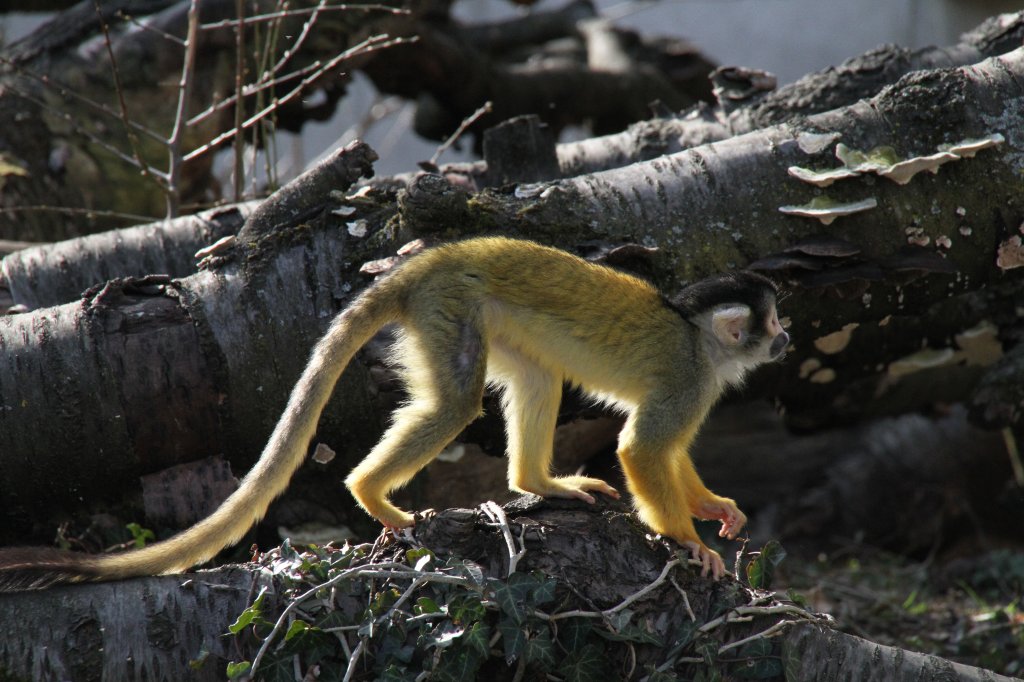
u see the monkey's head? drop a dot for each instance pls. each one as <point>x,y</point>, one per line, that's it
<point>739,322</point>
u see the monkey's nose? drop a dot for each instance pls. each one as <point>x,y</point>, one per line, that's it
<point>779,344</point>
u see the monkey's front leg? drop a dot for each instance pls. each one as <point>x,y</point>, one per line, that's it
<point>651,452</point>
<point>705,504</point>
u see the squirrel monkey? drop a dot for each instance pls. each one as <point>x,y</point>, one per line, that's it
<point>523,318</point>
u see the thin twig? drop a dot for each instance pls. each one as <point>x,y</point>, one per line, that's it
<point>497,516</point>
<point>274,16</point>
<point>356,653</point>
<point>764,634</point>
<point>70,93</point>
<point>146,26</point>
<point>748,612</point>
<point>239,143</point>
<point>624,603</point>
<point>175,160</point>
<point>686,599</point>
<point>133,141</point>
<point>71,210</point>
<point>470,120</point>
<point>367,45</point>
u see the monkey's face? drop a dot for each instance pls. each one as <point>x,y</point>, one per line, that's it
<point>741,330</point>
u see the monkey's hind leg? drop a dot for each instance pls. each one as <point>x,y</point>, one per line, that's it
<point>530,405</point>
<point>445,371</point>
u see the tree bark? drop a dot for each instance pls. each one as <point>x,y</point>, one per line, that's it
<point>811,653</point>
<point>859,77</point>
<point>150,629</point>
<point>600,559</point>
<point>51,274</point>
<point>236,333</point>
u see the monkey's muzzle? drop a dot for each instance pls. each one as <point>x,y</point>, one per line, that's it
<point>779,344</point>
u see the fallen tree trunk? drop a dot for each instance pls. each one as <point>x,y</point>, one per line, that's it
<point>236,328</point>
<point>554,587</point>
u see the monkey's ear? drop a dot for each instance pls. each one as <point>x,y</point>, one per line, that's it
<point>729,324</point>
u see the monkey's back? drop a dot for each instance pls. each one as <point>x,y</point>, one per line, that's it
<point>602,328</point>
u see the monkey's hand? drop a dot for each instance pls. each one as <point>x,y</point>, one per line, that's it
<point>725,510</point>
<point>710,561</point>
<point>571,487</point>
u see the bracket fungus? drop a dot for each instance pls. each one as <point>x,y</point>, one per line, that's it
<point>827,210</point>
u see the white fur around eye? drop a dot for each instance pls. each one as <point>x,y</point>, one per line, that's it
<point>729,323</point>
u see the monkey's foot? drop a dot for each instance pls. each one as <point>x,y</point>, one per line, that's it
<point>724,510</point>
<point>571,487</point>
<point>710,561</point>
<point>392,517</point>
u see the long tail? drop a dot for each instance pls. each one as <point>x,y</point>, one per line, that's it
<point>26,568</point>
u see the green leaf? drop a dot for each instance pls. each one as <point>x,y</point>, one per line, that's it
<point>510,599</point>
<point>236,670</point>
<point>251,614</point>
<point>540,650</point>
<point>466,608</point>
<point>631,633</point>
<point>419,558</point>
<point>584,665</point>
<point>425,605</point>
<point>458,665</point>
<point>278,667</point>
<point>443,635</point>
<point>682,638</point>
<point>140,535</point>
<point>478,637</point>
<point>287,551</point>
<point>796,598</point>
<point>297,628</point>
<point>761,571</point>
<point>545,592</point>
<point>761,664</point>
<point>574,634</point>
<point>513,636</point>
<point>624,631</point>
<point>467,569</point>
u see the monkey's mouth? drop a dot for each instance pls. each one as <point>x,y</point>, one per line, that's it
<point>778,347</point>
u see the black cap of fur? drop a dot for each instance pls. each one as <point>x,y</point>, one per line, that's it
<point>742,286</point>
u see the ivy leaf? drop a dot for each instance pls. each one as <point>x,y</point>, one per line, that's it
<point>444,635</point>
<point>513,636</point>
<point>478,637</point>
<point>419,558</point>
<point>425,605</point>
<point>466,608</point>
<point>545,592</point>
<point>587,664</point>
<point>574,633</point>
<point>760,663</point>
<point>510,600</point>
<point>761,571</point>
<point>236,670</point>
<point>540,651</point>
<point>140,535</point>
<point>251,614</point>
<point>467,569</point>
<point>297,628</point>
<point>463,665</point>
